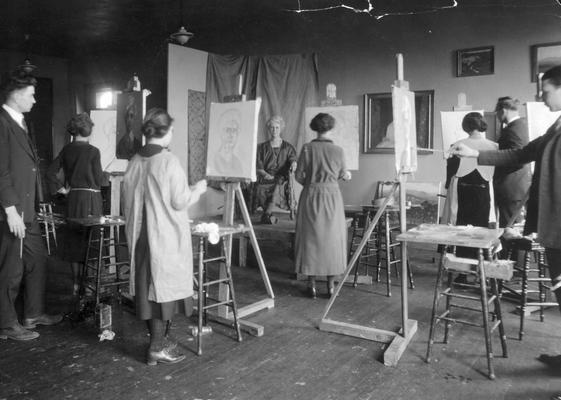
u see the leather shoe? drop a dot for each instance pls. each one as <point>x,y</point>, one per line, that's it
<point>43,319</point>
<point>18,332</point>
<point>168,355</point>
<point>552,361</point>
<point>312,292</point>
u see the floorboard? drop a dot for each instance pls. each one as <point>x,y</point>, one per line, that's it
<point>292,360</point>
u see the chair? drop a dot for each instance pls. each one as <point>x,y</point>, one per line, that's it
<point>532,278</point>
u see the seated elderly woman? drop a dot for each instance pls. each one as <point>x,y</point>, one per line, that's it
<point>276,158</point>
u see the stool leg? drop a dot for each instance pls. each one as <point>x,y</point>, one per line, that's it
<point>485,307</point>
<point>99,266</point>
<point>448,324</point>
<point>233,303</point>
<point>201,294</point>
<point>388,255</point>
<point>499,315</point>
<point>541,285</point>
<point>83,276</point>
<point>524,293</point>
<point>435,306</point>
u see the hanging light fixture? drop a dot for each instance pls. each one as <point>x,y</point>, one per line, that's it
<point>27,67</point>
<point>182,36</point>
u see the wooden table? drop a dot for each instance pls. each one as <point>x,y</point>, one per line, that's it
<point>284,229</point>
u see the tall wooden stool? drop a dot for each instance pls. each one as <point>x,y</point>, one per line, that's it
<point>389,250</point>
<point>370,256</point>
<point>49,221</point>
<point>205,301</point>
<point>482,270</point>
<point>105,266</point>
<point>533,278</point>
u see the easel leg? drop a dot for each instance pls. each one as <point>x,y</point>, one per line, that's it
<point>253,238</point>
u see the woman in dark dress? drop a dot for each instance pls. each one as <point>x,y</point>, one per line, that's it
<point>321,231</point>
<point>81,165</point>
<point>276,158</point>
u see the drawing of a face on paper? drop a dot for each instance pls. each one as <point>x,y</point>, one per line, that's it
<point>232,140</point>
<point>405,136</point>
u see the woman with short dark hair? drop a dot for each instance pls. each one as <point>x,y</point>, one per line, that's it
<point>470,198</point>
<point>321,231</point>
<point>156,198</point>
<point>81,164</point>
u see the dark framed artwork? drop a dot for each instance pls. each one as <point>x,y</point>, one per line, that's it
<point>544,56</point>
<point>378,122</point>
<point>476,61</point>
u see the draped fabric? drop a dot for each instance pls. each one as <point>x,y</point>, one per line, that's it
<point>287,84</point>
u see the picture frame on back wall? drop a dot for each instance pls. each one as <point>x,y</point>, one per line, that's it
<point>544,56</point>
<point>475,61</point>
<point>378,122</point>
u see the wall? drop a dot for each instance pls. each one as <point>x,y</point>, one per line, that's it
<point>357,53</point>
<point>366,65</point>
<point>57,70</point>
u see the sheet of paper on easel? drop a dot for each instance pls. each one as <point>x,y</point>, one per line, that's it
<point>344,134</point>
<point>104,134</point>
<point>405,132</point>
<point>540,118</point>
<point>232,140</point>
<point>452,127</point>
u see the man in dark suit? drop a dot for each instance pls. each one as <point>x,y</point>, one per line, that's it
<point>511,183</point>
<point>23,256</point>
<point>544,203</point>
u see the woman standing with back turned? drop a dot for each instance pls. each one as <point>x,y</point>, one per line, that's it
<point>156,200</point>
<point>321,231</point>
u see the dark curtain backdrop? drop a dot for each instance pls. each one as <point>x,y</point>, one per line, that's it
<point>287,84</point>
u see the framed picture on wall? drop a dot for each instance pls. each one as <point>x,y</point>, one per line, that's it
<point>476,61</point>
<point>544,56</point>
<point>378,122</point>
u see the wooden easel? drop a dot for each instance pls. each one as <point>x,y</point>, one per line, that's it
<point>233,193</point>
<point>398,341</point>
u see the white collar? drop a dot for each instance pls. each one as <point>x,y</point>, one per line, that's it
<point>510,121</point>
<point>16,115</point>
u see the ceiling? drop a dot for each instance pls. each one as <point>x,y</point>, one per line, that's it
<point>71,28</point>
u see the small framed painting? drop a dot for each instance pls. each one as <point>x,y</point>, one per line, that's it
<point>544,56</point>
<point>476,61</point>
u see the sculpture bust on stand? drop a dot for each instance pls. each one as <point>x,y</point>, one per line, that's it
<point>331,96</point>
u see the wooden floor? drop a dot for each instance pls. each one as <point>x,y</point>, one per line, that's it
<point>292,360</point>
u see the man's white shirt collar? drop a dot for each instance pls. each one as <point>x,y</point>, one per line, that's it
<point>16,115</point>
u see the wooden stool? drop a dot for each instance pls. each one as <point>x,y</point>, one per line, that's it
<point>360,224</point>
<point>101,269</point>
<point>202,286</point>
<point>529,275</point>
<point>482,270</point>
<point>389,251</point>
<point>49,221</point>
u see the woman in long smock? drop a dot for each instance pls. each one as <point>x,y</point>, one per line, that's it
<point>156,199</point>
<point>321,231</point>
<point>470,199</point>
<point>81,163</point>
